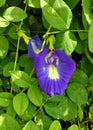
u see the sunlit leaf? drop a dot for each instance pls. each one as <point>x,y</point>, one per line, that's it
<point>87,8</point>
<point>80,112</point>
<point>30,125</point>
<point>14,14</point>
<point>66,41</point>
<point>4,46</point>
<point>20,103</point>
<point>8,68</point>
<point>57,13</point>
<point>2,2</point>
<point>73,127</point>
<point>8,122</point>
<point>21,79</point>
<point>5,99</point>
<point>29,113</point>
<point>4,22</point>
<point>34,3</point>
<point>55,125</point>
<point>90,38</point>
<point>35,95</point>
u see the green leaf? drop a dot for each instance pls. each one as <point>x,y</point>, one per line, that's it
<point>77,93</point>
<point>57,98</point>
<point>30,125</point>
<point>57,13</point>
<point>83,127</point>
<point>5,99</point>
<point>65,110</point>
<point>80,113</point>
<point>83,35</point>
<point>2,2</point>
<point>86,66</point>
<point>90,38</point>
<point>91,109</point>
<point>24,59</point>
<point>55,125</point>
<point>44,119</point>
<point>72,3</point>
<point>79,26</point>
<point>34,3</point>
<point>91,112</point>
<point>20,103</point>
<point>1,82</point>
<point>27,63</point>
<point>22,47</point>
<point>4,46</point>
<point>87,10</point>
<point>12,32</point>
<point>66,41</point>
<point>2,30</point>
<point>79,76</point>
<point>3,22</point>
<point>80,48</point>
<point>8,68</point>
<point>10,110</point>
<point>73,127</point>
<point>91,79</point>
<point>21,79</point>
<point>29,113</point>
<point>8,123</point>
<point>45,22</point>
<point>14,2</point>
<point>16,89</point>
<point>35,95</point>
<point>14,14</point>
<point>84,21</point>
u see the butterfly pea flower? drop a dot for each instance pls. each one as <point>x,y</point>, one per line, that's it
<point>53,69</point>
<point>34,46</point>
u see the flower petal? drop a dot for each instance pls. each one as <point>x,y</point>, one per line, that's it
<point>34,45</point>
<point>66,66</point>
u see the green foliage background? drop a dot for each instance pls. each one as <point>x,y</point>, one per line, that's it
<point>22,104</point>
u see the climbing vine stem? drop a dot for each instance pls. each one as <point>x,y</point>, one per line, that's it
<point>18,44</point>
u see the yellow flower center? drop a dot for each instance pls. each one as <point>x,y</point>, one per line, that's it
<point>53,73</point>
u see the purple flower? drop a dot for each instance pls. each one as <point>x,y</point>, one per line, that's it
<point>53,68</point>
<point>34,46</point>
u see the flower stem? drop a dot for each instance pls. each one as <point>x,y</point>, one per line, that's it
<point>31,72</point>
<point>16,57</point>
<point>40,108</point>
<point>21,34</point>
<point>17,49</point>
<point>47,33</point>
<point>78,30</point>
<point>43,45</point>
